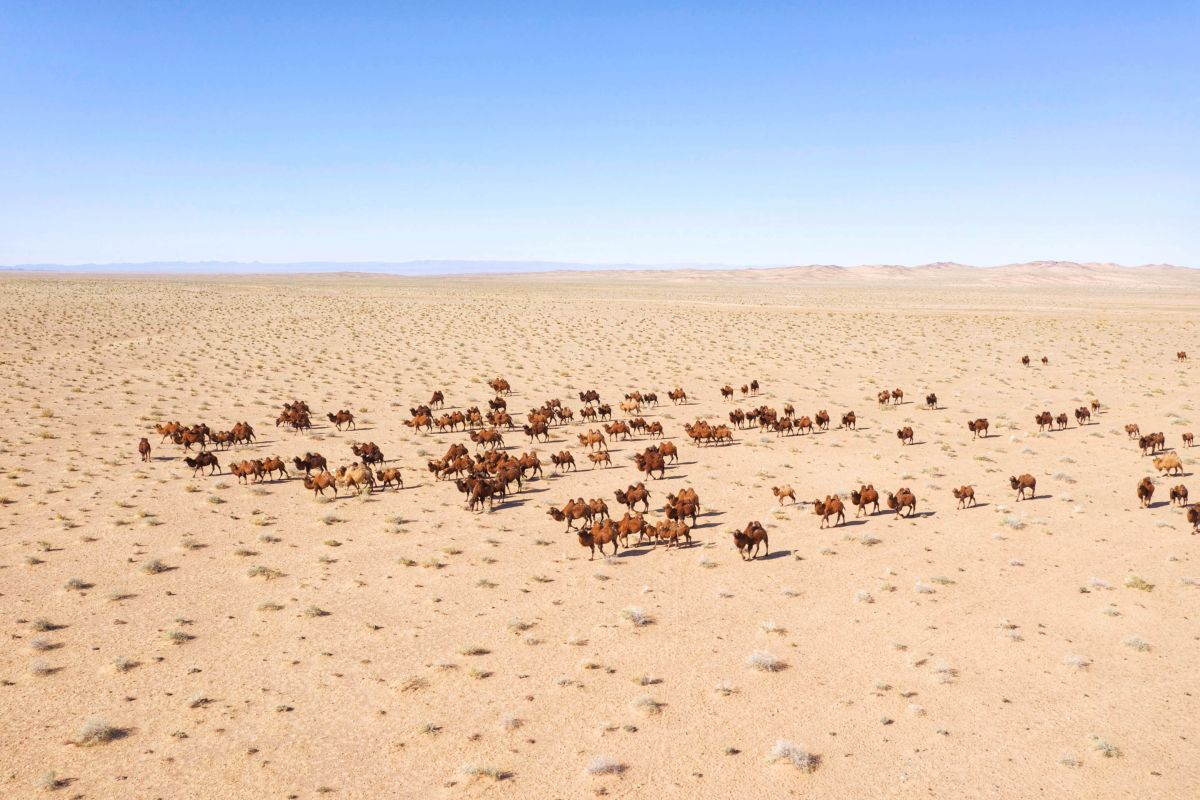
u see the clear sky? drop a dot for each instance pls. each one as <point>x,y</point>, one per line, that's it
<point>737,133</point>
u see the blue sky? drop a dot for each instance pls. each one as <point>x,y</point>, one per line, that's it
<point>737,133</point>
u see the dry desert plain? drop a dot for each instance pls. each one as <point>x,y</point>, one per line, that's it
<point>172,636</point>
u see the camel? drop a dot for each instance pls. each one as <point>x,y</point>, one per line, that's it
<point>902,499</point>
<point>898,396</point>
<point>1082,415</point>
<point>187,438</point>
<point>489,437</point>
<point>369,453</point>
<point>1169,464</point>
<point>978,427</point>
<point>1145,492</point>
<point>1193,516</point>
<point>272,465</point>
<point>589,397</point>
<point>783,491</point>
<point>343,417</point>
<point>242,433</point>
<point>221,439</point>
<point>655,430</point>
<point>822,419</point>
<point>1062,421</point>
<point>563,460</point>
<point>617,429</point>
<point>831,506</point>
<point>168,430</point>
<point>538,430</point>
<point>1045,361</point>
<point>600,458</point>
<point>678,396</point>
<point>931,401</point>
<point>849,420</point>
<point>905,435</point>
<point>748,540</point>
<point>357,475</point>
<point>144,449</point>
<point>1044,420</point>
<point>630,524</point>
<point>203,460</point>
<point>727,392</point>
<point>1025,360</point>
<point>1025,482</point>
<point>1181,356</point>
<point>669,451</point>
<point>1132,431</point>
<point>1179,495</point>
<point>863,497</point>
<point>420,421</point>
<point>530,464</point>
<point>246,470</point>
<point>965,495</point>
<point>322,481</point>
<point>651,461</point>
<point>1153,442</point>
<point>670,531</point>
<point>388,476</point>
<point>591,439</point>
<point>680,508</point>
<point>884,397</point>
<point>804,424</point>
<point>310,462</point>
<point>1187,440</point>
<point>572,511</point>
<point>500,386</point>
<point>634,495</point>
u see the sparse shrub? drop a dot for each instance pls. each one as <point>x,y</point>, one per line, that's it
<point>648,704</point>
<point>636,615</point>
<point>97,731</point>
<point>793,754</point>
<point>765,662</point>
<point>604,765</point>
<point>1137,582</point>
<point>154,567</point>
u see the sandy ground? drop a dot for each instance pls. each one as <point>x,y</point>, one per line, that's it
<point>410,648</point>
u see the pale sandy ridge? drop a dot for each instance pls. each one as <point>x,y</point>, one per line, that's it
<point>960,654</point>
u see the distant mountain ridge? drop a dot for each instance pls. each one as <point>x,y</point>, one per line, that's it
<point>1033,273</point>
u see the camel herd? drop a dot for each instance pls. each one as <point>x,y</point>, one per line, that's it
<point>491,474</point>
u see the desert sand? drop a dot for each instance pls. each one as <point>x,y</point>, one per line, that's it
<point>256,642</point>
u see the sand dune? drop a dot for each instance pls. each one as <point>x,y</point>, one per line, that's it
<point>251,641</point>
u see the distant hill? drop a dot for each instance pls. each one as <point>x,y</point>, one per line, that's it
<point>1034,273</point>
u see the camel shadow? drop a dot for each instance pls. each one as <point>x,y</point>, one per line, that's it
<point>633,551</point>
<point>772,556</point>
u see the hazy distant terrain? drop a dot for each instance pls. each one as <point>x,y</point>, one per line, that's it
<point>1060,273</point>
